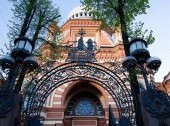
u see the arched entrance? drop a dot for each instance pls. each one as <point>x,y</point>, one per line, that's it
<point>85,104</point>
<point>111,81</point>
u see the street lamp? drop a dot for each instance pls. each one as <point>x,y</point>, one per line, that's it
<point>140,58</point>
<point>19,61</point>
<point>23,47</point>
<point>154,102</point>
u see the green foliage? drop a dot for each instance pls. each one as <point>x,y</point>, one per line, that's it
<point>135,30</point>
<point>32,19</point>
<point>121,13</point>
<point>108,10</point>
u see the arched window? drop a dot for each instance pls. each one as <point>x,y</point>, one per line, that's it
<point>84,104</point>
<point>84,108</point>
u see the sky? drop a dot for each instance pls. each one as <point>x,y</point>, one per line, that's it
<point>156,19</point>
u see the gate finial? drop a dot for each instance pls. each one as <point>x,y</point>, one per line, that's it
<point>81,53</point>
<point>81,32</point>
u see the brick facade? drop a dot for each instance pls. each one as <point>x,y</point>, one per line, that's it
<point>110,48</point>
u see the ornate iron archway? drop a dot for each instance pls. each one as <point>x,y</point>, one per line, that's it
<point>111,81</point>
<point>79,68</point>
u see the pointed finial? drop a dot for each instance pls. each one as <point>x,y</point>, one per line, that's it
<point>81,32</point>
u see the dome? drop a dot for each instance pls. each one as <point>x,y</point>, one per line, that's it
<point>79,13</point>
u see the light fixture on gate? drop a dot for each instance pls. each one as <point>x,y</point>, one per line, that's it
<point>21,53</point>
<point>138,49</point>
<point>30,62</point>
<point>23,47</point>
<point>140,57</point>
<point>7,62</point>
<point>153,63</point>
<point>20,58</point>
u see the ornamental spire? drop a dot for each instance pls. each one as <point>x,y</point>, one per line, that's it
<point>81,32</point>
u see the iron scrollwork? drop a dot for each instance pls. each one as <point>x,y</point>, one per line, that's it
<point>158,104</point>
<point>73,71</point>
<point>80,66</point>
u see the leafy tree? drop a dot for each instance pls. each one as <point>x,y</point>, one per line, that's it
<point>135,30</point>
<point>121,13</point>
<point>32,19</point>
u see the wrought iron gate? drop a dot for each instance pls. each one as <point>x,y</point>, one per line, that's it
<point>39,89</point>
<point>80,68</point>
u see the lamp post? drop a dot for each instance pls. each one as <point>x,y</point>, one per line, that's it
<point>153,101</point>
<point>17,64</point>
<point>140,57</point>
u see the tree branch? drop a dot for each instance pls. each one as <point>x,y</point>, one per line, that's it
<point>111,4</point>
<point>50,20</point>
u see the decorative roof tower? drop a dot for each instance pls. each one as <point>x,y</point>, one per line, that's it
<point>108,42</point>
